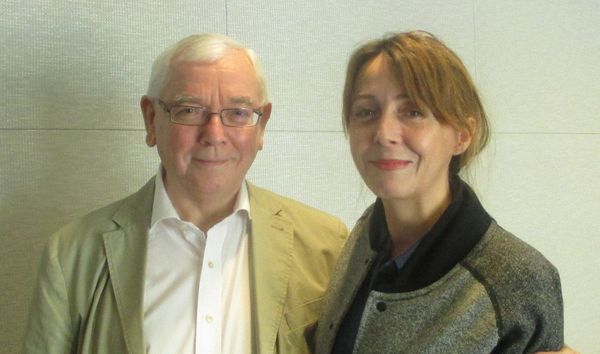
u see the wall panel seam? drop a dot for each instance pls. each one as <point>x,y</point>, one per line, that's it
<point>226,18</point>
<point>269,131</point>
<point>546,133</point>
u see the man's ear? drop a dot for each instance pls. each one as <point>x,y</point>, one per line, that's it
<point>266,114</point>
<point>465,136</point>
<point>149,114</point>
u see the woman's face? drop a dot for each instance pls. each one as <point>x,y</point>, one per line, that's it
<point>401,152</point>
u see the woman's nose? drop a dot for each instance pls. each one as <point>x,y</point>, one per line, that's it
<point>388,130</point>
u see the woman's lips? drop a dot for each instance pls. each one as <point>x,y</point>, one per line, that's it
<point>390,164</point>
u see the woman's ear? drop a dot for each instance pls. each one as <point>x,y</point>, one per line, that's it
<point>465,136</point>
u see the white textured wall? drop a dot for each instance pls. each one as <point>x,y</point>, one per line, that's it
<point>71,135</point>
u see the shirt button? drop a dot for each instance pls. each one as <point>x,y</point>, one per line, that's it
<point>211,265</point>
<point>208,319</point>
<point>381,306</point>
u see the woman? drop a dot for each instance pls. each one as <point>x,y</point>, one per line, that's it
<point>426,268</point>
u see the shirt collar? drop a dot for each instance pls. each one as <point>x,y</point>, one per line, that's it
<point>162,208</point>
<point>243,201</point>
<point>400,260</point>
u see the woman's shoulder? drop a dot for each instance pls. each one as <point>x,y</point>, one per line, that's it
<point>523,285</point>
<point>502,258</point>
<point>501,251</point>
<point>520,281</point>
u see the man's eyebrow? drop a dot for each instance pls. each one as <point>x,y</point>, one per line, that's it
<point>237,100</point>
<point>182,99</point>
<point>243,100</point>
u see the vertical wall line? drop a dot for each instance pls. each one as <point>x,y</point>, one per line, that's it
<point>226,18</point>
<point>475,68</point>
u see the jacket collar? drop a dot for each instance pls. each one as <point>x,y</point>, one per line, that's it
<point>451,238</point>
<point>126,255</point>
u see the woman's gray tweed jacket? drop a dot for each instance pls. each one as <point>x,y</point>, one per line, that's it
<point>502,297</point>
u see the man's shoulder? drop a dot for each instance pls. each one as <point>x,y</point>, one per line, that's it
<point>297,212</point>
<point>106,218</point>
<point>274,201</point>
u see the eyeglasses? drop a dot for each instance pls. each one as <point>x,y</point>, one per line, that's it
<point>196,115</point>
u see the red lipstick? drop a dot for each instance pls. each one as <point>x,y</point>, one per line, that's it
<point>390,165</point>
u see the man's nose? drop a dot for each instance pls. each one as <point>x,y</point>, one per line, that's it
<point>213,130</point>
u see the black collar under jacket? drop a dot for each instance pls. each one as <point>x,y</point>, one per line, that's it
<point>448,242</point>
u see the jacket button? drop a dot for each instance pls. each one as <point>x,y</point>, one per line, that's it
<point>381,306</point>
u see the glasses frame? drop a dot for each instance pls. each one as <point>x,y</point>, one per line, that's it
<point>168,107</point>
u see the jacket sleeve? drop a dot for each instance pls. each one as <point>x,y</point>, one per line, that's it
<point>534,321</point>
<point>49,328</point>
<point>529,299</point>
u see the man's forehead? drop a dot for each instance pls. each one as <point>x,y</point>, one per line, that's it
<point>193,82</point>
<point>190,99</point>
<point>232,60</point>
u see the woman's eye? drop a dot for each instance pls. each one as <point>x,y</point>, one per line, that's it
<point>363,114</point>
<point>411,114</point>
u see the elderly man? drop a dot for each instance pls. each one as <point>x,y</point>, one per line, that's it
<point>198,260</point>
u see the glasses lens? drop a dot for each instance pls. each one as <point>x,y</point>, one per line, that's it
<point>239,117</point>
<point>188,114</point>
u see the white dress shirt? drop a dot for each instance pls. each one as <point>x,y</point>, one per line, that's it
<point>196,292</point>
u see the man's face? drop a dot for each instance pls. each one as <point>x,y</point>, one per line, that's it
<point>209,160</point>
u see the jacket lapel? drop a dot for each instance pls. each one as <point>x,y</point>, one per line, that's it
<point>126,254</point>
<point>271,251</point>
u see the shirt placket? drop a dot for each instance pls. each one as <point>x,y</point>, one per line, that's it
<point>209,317</point>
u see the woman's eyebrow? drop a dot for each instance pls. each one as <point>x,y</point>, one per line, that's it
<point>401,96</point>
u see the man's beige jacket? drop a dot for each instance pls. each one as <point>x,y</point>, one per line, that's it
<point>89,293</point>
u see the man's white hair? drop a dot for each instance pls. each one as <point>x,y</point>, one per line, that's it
<point>201,48</point>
